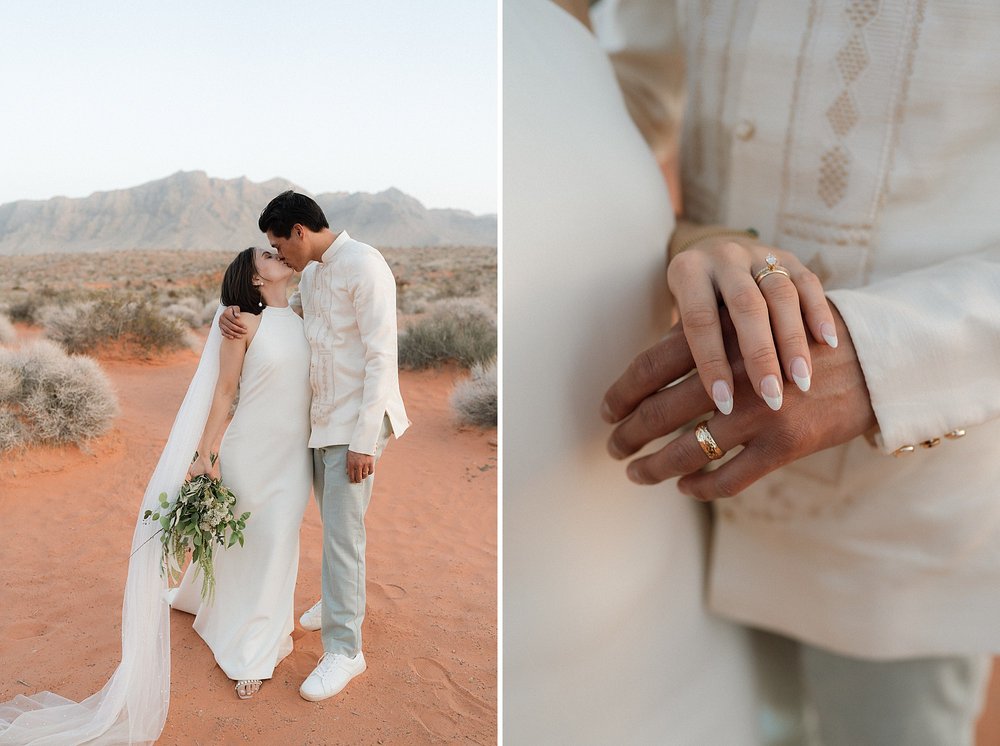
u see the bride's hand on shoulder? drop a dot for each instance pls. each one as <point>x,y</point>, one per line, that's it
<point>770,310</point>
<point>230,324</point>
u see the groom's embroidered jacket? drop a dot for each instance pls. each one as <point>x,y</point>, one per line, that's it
<point>349,306</point>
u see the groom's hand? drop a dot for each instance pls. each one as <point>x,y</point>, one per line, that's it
<point>647,402</point>
<point>230,324</point>
<point>359,466</point>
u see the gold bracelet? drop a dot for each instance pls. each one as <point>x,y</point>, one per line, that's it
<point>749,232</point>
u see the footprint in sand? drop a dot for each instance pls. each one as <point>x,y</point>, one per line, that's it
<point>462,701</point>
<point>437,724</point>
<point>386,591</point>
<point>25,630</point>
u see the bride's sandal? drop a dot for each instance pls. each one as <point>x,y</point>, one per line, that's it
<point>246,688</point>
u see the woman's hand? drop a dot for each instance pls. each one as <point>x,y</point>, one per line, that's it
<point>203,465</point>
<point>767,316</point>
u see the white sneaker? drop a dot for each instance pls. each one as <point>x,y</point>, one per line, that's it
<point>331,675</point>
<point>312,620</point>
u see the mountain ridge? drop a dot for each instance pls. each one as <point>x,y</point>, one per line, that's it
<point>191,210</point>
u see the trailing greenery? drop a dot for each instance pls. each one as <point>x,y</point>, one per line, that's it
<point>199,518</point>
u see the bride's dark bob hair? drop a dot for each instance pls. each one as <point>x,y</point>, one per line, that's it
<point>237,283</point>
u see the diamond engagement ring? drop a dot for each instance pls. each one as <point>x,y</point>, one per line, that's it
<point>707,442</point>
<point>772,268</point>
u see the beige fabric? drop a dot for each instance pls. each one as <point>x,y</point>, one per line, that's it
<point>862,135</point>
<point>349,305</point>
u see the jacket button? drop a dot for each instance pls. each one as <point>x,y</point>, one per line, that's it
<point>744,130</point>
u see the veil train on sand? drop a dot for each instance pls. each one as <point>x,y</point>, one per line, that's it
<point>131,708</point>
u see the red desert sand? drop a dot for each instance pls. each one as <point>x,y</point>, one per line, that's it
<point>67,517</point>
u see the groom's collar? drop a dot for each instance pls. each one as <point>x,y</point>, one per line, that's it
<point>328,255</point>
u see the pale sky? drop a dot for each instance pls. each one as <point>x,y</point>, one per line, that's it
<point>338,95</point>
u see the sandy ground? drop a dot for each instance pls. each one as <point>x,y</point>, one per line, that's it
<point>66,521</point>
<point>430,634</point>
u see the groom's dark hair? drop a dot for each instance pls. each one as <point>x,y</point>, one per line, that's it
<point>289,208</point>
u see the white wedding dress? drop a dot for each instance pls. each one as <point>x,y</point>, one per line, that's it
<point>606,638</point>
<point>265,461</point>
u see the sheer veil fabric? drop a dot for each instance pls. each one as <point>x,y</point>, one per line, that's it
<point>131,708</point>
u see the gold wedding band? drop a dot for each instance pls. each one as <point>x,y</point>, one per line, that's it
<point>707,442</point>
<point>772,268</point>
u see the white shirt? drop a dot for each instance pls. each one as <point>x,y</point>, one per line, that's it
<point>862,136</point>
<point>348,301</point>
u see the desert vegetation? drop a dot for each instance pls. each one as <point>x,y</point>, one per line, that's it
<point>142,303</point>
<point>48,396</point>
<point>475,399</point>
<point>463,330</point>
<point>113,317</point>
<point>8,334</point>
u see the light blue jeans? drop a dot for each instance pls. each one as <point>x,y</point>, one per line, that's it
<point>343,505</point>
<point>818,698</point>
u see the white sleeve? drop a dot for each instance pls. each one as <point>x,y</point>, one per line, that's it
<point>373,291</point>
<point>928,342</point>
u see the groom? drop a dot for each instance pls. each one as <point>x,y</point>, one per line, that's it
<point>347,298</point>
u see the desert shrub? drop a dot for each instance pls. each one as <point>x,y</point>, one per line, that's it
<point>475,399</point>
<point>114,317</point>
<point>460,283</point>
<point>25,309</point>
<point>193,310</point>
<point>8,334</point>
<point>12,433</point>
<point>462,330</point>
<point>10,377</point>
<point>49,396</point>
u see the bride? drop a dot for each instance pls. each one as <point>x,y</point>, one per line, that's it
<point>250,633</point>
<point>264,459</point>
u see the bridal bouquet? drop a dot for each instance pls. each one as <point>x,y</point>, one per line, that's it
<point>200,517</point>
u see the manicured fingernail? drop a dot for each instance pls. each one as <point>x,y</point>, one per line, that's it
<point>723,396</point>
<point>829,334</point>
<point>614,450</point>
<point>683,488</point>
<point>606,414</point>
<point>800,373</point>
<point>633,474</point>
<point>770,389</point>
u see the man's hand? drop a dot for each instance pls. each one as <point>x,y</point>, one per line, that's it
<point>230,324</point>
<point>359,466</point>
<point>836,409</point>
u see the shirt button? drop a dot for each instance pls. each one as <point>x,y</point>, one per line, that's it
<point>744,130</point>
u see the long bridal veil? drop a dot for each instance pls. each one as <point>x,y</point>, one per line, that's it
<point>132,706</point>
